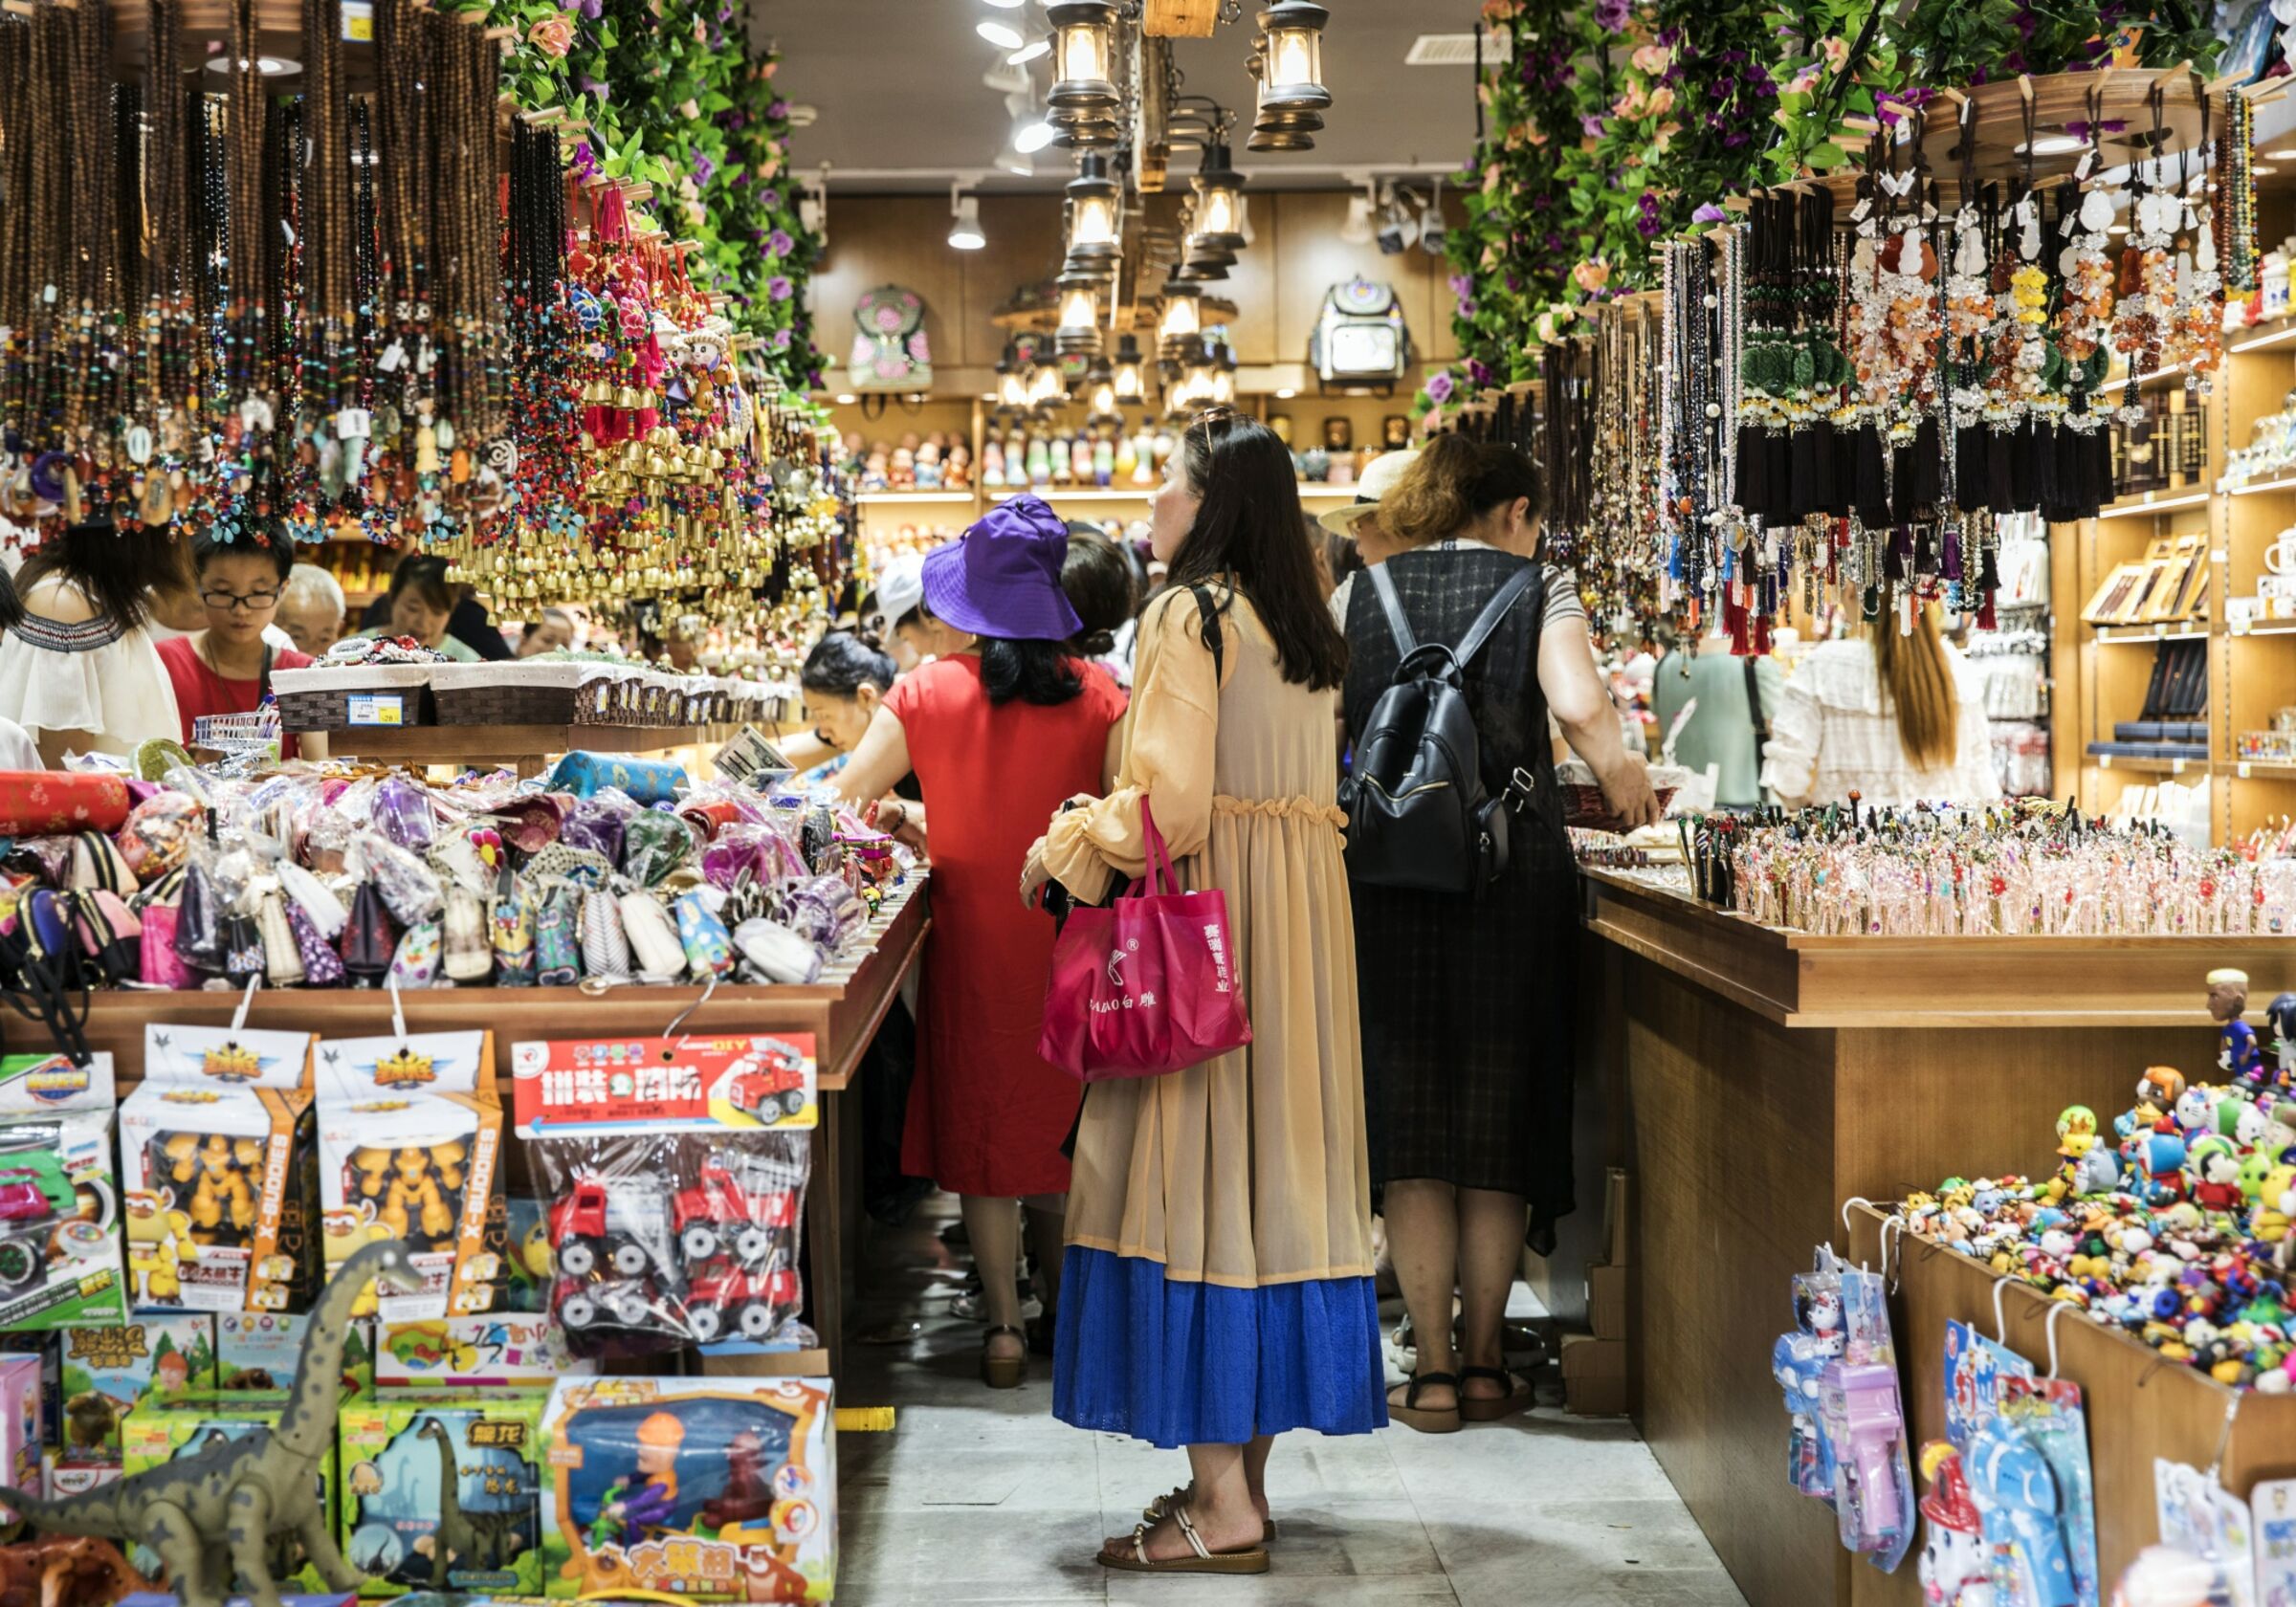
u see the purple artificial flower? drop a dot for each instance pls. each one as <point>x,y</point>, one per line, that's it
<point>597,87</point>
<point>1462,285</point>
<point>1611,15</point>
<point>586,161</point>
<point>777,109</point>
<point>779,288</point>
<point>1439,388</point>
<point>769,197</point>
<point>1590,124</point>
<point>1646,222</point>
<point>1709,212</point>
<point>1478,372</point>
<point>703,167</point>
<point>779,244</point>
<point>780,339</point>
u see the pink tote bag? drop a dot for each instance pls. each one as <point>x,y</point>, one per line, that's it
<point>1147,985</point>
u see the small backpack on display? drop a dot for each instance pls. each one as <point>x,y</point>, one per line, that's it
<point>1418,814</point>
<point>889,352</point>
<point>1359,335</point>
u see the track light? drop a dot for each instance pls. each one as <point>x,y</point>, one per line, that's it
<point>964,227</point>
<point>1029,52</point>
<point>1357,230</point>
<point>1400,229</point>
<point>1002,34</point>
<point>1032,137</point>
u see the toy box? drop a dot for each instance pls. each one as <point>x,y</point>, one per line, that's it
<point>20,1422</point>
<point>408,1134</point>
<point>260,1352</point>
<point>59,1203</point>
<point>674,1212</point>
<point>518,1235</point>
<point>217,1161</point>
<point>442,1491</point>
<point>712,1489</point>
<point>103,1374</point>
<point>467,1353</point>
<point>168,1428</point>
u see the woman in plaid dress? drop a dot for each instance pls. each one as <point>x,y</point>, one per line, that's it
<point>1467,1062</point>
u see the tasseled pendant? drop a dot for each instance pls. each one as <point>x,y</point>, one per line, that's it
<point>1870,481</point>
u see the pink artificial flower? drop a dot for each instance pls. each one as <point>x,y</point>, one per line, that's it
<point>1492,175</point>
<point>1592,274</point>
<point>1661,102</point>
<point>553,36</point>
<point>1805,80</point>
<point>1835,52</point>
<point>1652,60</point>
<point>1628,105</point>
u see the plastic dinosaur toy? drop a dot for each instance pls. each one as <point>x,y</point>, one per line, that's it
<point>457,1542</point>
<point>212,1514</point>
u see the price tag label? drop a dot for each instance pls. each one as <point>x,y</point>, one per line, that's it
<point>2160,628</point>
<point>2241,770</point>
<point>378,708</point>
<point>2176,766</point>
<point>358,21</point>
<point>2218,556</point>
<point>2103,761</point>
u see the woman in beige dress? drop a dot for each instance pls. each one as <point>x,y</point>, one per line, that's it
<point>1217,1289</point>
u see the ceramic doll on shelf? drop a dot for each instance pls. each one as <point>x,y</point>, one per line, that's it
<point>928,467</point>
<point>1104,461</point>
<point>876,473</point>
<point>2237,1053</point>
<point>992,461</point>
<point>1040,458</point>
<point>904,469</point>
<point>958,473</point>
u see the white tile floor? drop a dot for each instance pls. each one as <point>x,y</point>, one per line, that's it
<point>981,1496</point>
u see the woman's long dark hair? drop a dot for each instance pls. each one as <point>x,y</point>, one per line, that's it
<point>1033,672</point>
<point>1251,530</point>
<point>114,568</point>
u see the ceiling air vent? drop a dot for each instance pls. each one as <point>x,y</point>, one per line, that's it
<point>1456,50</point>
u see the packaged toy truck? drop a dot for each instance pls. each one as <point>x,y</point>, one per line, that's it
<point>216,1158</point>
<point>441,1491</point>
<point>408,1134</point>
<point>59,1203</point>
<point>709,1489</point>
<point>176,1427</point>
<point>104,1373</point>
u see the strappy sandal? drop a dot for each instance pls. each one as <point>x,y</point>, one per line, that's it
<point>1156,1511</point>
<point>1427,1419</point>
<point>1250,1559</point>
<point>1000,1371</point>
<point>1491,1408</point>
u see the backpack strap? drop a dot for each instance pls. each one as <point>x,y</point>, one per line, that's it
<point>1531,574</point>
<point>1398,626</point>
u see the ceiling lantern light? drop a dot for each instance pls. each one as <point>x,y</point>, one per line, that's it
<point>1292,58</point>
<point>1013,381</point>
<point>1079,328</point>
<point>1182,318</point>
<point>1219,197</point>
<point>1223,376</point>
<point>1083,53</point>
<point>1100,388</point>
<point>1047,386</point>
<point>1094,216</point>
<point>1128,385</point>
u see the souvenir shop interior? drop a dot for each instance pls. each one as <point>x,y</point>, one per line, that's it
<point>461,462</point>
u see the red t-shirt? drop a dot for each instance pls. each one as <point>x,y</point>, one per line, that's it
<point>200,691</point>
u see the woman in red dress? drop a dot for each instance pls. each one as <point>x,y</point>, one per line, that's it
<point>1000,736</point>
<point>226,669</point>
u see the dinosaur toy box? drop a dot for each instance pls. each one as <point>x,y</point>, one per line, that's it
<point>20,1422</point>
<point>216,1160</point>
<point>103,1374</point>
<point>709,1489</point>
<point>471,1352</point>
<point>441,1491</point>
<point>174,1427</point>
<point>59,1211</point>
<point>258,1350</point>
<point>409,1131</point>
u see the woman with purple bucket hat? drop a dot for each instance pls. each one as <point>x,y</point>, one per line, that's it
<point>999,734</point>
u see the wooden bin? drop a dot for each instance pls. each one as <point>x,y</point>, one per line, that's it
<point>2140,1405</point>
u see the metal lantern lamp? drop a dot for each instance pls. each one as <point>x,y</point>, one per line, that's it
<point>1047,386</point>
<point>1223,376</point>
<point>1130,387</point>
<point>1079,328</point>
<point>1083,53</point>
<point>1094,216</point>
<point>1219,198</point>
<point>1012,381</point>
<point>1183,318</point>
<point>1100,387</point>
<point>1292,58</point>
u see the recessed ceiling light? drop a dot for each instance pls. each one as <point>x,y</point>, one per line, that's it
<point>2055,144</point>
<point>1002,34</point>
<point>1032,137</point>
<point>267,66</point>
<point>2285,153</point>
<point>2262,169</point>
<point>847,400</point>
<point>1008,5</point>
<point>1286,395</point>
<point>1031,51</point>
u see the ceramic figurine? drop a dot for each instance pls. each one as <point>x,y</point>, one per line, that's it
<point>957,474</point>
<point>1080,460</point>
<point>904,470</point>
<point>1040,459</point>
<point>992,463</point>
<point>212,1515</point>
<point>1143,458</point>
<point>928,467</point>
<point>877,473</point>
<point>1127,458</point>
<point>1104,461</point>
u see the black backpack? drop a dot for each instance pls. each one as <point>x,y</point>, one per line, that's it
<point>1418,815</point>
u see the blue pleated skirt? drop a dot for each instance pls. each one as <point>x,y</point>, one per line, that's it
<point>1202,1364</point>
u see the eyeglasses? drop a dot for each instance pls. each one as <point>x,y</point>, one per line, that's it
<point>254,603</point>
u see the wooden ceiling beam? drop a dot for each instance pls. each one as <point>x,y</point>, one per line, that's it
<point>1180,19</point>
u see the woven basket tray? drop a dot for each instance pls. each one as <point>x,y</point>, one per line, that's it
<point>320,699</point>
<point>510,694</point>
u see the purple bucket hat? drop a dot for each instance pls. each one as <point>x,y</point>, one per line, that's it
<point>1003,579</point>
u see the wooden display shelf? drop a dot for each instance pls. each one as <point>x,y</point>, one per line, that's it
<point>1797,980</point>
<point>2163,630</point>
<point>521,746</point>
<point>2139,1406</point>
<point>1750,1081</point>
